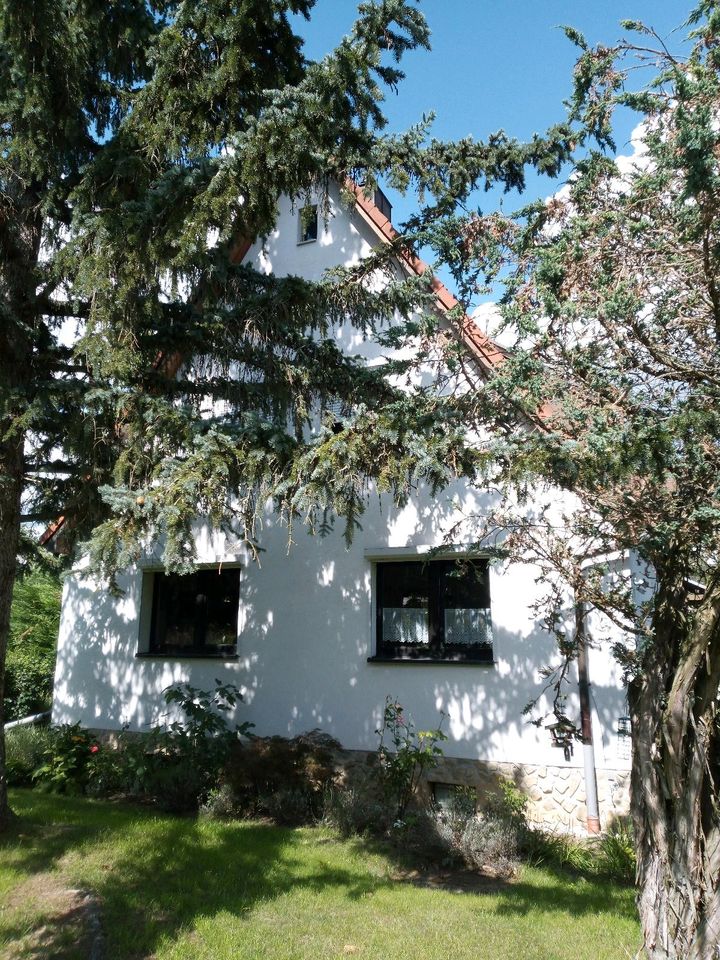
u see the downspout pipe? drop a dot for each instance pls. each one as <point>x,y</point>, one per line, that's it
<point>28,721</point>
<point>586,735</point>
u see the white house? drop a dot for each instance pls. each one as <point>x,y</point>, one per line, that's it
<point>316,636</point>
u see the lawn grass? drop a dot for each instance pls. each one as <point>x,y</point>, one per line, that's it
<point>180,889</point>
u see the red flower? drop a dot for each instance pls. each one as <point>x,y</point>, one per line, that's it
<point>94,748</point>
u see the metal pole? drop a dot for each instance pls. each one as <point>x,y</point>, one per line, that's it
<point>591,793</point>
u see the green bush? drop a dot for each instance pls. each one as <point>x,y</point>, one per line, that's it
<point>404,754</point>
<point>489,841</point>
<point>24,750</point>
<point>175,766</point>
<point>34,625</point>
<point>179,765</point>
<point>187,757</point>
<point>459,811</point>
<point>122,768</point>
<point>284,779</point>
<point>617,853</point>
<point>508,803</point>
<point>356,811</point>
<point>381,801</point>
<point>424,836</point>
<point>67,760</point>
<point>491,844</point>
<point>220,804</point>
<point>611,855</point>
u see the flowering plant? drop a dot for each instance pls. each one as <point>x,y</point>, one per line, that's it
<point>404,754</point>
<point>68,760</point>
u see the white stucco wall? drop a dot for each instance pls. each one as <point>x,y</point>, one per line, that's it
<point>306,624</point>
<point>306,629</point>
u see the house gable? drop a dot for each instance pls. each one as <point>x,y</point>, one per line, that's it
<point>308,653</point>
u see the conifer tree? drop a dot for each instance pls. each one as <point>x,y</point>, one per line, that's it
<point>144,143</point>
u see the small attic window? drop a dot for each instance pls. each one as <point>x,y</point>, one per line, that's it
<point>382,203</point>
<point>308,224</point>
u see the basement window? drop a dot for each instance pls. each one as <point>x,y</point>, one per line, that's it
<point>308,224</point>
<point>195,615</point>
<point>433,610</point>
<point>449,797</point>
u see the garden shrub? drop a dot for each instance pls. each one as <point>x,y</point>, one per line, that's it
<point>459,811</point>
<point>356,810</point>
<point>284,779</point>
<point>491,844</point>
<point>404,754</point>
<point>617,853</point>
<point>425,837</point>
<point>177,784</point>
<point>67,760</point>
<point>175,766</point>
<point>24,750</point>
<point>122,768</point>
<point>183,761</point>
<point>34,625</point>
<point>456,835</point>
<point>611,855</point>
<point>378,798</point>
<point>559,849</point>
<point>220,804</point>
<point>435,833</point>
<point>507,803</point>
<point>489,841</point>
<point>146,768</point>
<point>291,806</point>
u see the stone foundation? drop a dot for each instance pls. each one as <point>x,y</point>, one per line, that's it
<point>556,794</point>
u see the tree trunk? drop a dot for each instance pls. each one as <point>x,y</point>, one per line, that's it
<point>18,283</point>
<point>675,778</point>
<point>11,475</point>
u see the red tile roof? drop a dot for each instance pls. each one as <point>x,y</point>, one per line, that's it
<point>488,353</point>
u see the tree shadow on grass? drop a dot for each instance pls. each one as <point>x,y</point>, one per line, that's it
<point>555,889</point>
<point>156,876</point>
<point>45,829</point>
<point>569,893</point>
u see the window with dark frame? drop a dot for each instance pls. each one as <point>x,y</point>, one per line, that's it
<point>434,610</point>
<point>308,223</point>
<point>382,203</point>
<point>195,614</point>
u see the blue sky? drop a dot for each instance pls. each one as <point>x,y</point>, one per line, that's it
<point>498,64</point>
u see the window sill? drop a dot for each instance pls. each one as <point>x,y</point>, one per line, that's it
<point>304,243</point>
<point>186,656</point>
<point>436,661</point>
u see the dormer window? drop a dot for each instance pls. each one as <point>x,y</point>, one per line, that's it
<point>382,203</point>
<point>308,223</point>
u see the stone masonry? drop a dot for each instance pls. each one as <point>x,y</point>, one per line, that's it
<point>556,794</point>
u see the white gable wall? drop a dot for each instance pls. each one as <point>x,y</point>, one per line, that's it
<point>306,629</point>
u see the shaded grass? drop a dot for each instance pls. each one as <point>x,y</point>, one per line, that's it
<point>177,889</point>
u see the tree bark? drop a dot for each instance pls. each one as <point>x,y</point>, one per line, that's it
<point>11,476</point>
<point>675,778</point>
<point>18,283</point>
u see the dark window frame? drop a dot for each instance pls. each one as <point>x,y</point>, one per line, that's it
<point>161,593</point>
<point>437,650</point>
<point>309,225</point>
